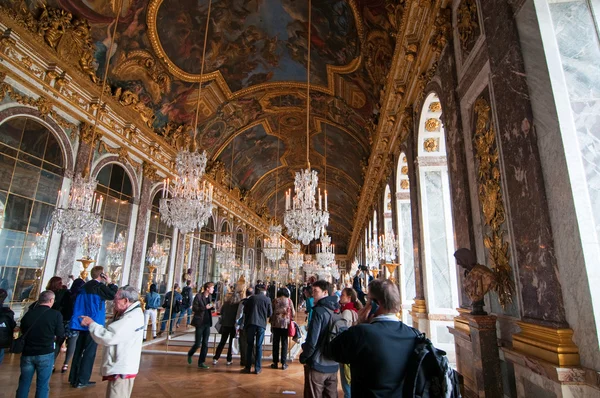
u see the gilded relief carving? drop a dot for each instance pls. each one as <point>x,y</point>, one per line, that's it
<point>433,125</point>
<point>435,107</point>
<point>431,145</point>
<point>467,24</point>
<point>491,201</point>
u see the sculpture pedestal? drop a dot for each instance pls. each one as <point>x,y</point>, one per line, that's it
<point>477,355</point>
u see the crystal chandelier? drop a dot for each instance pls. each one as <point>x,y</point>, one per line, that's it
<point>116,250</point>
<point>82,213</point>
<point>155,254</point>
<point>38,248</point>
<point>295,258</point>
<point>302,218</point>
<point>92,244</point>
<point>325,251</point>
<point>226,251</point>
<point>190,202</point>
<point>274,248</point>
<point>309,266</point>
<point>387,247</point>
<point>373,255</point>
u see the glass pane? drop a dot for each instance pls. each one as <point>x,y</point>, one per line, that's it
<point>154,220</point>
<point>40,217</point>
<point>29,159</point>
<point>104,175</point>
<point>407,251</point>
<point>17,212</point>
<point>116,178</point>
<point>34,258</point>
<point>25,179</point>
<point>11,131</point>
<point>7,166</point>
<point>436,219</point>
<point>8,275</point>
<point>24,283</point>
<point>11,247</point>
<point>52,168</point>
<point>127,189</point>
<point>53,152</point>
<point>124,213</point>
<point>34,139</point>
<point>111,209</point>
<point>48,187</point>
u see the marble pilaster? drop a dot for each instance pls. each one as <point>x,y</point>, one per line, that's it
<point>532,241</point>
<point>141,229</point>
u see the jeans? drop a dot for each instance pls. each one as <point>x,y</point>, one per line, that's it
<point>83,359</point>
<point>253,332</point>
<point>345,385</point>
<point>163,324</point>
<point>71,344</point>
<point>42,364</point>
<point>202,335</point>
<point>187,311</point>
<point>1,355</point>
<point>280,336</point>
<point>226,332</point>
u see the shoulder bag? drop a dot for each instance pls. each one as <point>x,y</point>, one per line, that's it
<point>292,325</point>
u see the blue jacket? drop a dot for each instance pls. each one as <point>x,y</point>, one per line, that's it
<point>152,300</point>
<point>91,302</point>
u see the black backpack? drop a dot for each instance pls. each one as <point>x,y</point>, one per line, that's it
<point>7,323</point>
<point>428,374</point>
<point>187,297</point>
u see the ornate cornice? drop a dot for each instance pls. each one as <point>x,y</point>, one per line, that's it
<point>420,39</point>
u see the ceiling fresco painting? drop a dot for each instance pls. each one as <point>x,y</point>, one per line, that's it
<point>257,41</point>
<point>254,80</point>
<point>250,155</point>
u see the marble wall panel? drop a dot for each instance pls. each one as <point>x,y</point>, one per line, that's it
<point>525,197</point>
<point>141,232</point>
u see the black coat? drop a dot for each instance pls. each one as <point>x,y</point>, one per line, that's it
<point>202,315</point>
<point>378,354</point>
<point>317,332</point>
<point>257,310</point>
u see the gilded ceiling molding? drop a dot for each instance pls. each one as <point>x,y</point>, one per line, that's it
<point>151,22</point>
<point>405,84</point>
<point>491,201</point>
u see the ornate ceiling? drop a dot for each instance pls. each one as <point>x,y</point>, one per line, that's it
<point>253,102</point>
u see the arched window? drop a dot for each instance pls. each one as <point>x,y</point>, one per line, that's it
<point>440,271</point>
<point>239,246</point>
<point>115,185</point>
<point>258,262</point>
<point>375,230</point>
<point>159,232</point>
<point>31,174</point>
<point>405,239</point>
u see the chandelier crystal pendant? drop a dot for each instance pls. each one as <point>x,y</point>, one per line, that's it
<point>387,247</point>
<point>92,244</point>
<point>82,213</point>
<point>273,247</point>
<point>39,246</point>
<point>116,250</point>
<point>226,251</point>
<point>373,255</point>
<point>302,218</point>
<point>295,258</point>
<point>187,203</point>
<point>325,251</point>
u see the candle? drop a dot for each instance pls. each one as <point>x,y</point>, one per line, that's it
<point>320,200</point>
<point>325,200</point>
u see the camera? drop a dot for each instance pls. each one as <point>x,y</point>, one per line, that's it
<point>363,268</point>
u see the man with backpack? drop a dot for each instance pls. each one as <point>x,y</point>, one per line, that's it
<point>7,324</point>
<point>186,303</point>
<point>320,372</point>
<point>171,309</point>
<point>378,352</point>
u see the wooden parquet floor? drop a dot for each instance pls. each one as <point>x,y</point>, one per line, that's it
<point>164,375</point>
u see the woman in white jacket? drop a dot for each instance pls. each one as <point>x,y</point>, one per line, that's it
<point>123,341</point>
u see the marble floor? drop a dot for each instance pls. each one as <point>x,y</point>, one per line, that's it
<point>169,375</point>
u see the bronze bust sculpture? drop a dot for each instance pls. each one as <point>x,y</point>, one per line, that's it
<point>479,279</point>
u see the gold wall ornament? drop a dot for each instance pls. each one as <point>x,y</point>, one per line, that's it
<point>431,145</point>
<point>149,171</point>
<point>554,345</point>
<point>141,66</point>
<point>404,184</point>
<point>410,53</point>
<point>490,199</point>
<point>433,124</point>
<point>132,100</point>
<point>86,132</point>
<point>404,170</point>
<point>467,23</point>
<point>435,106</point>
<point>443,27</point>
